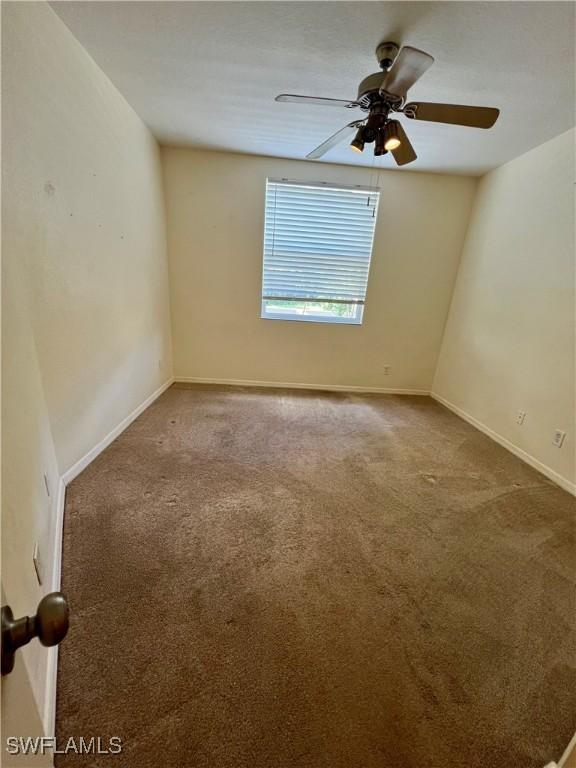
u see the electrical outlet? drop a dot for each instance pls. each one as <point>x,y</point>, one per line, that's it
<point>37,562</point>
<point>520,417</point>
<point>558,438</point>
<point>386,370</point>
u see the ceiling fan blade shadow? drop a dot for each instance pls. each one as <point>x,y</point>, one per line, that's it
<point>408,67</point>
<point>454,114</point>
<point>318,100</point>
<point>405,153</point>
<point>336,138</point>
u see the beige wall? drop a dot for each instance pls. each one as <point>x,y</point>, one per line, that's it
<point>86,330</point>
<point>215,207</point>
<point>509,340</point>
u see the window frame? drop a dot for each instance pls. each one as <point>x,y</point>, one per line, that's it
<point>358,317</point>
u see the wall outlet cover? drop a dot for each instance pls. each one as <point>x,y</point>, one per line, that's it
<point>37,562</point>
<point>558,438</point>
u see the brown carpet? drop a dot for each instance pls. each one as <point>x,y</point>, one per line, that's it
<point>291,579</point>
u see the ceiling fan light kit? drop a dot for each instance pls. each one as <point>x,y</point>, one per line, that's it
<point>391,135</point>
<point>380,143</point>
<point>357,143</point>
<point>384,93</point>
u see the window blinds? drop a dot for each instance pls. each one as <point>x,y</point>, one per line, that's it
<point>318,241</point>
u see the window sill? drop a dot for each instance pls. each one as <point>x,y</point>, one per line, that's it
<point>312,319</point>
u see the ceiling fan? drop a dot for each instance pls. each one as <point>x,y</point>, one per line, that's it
<point>380,95</point>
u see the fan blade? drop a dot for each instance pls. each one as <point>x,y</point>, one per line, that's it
<point>336,138</point>
<point>456,114</point>
<point>409,66</point>
<point>403,154</point>
<point>316,100</point>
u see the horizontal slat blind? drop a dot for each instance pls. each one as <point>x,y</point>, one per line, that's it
<point>318,241</point>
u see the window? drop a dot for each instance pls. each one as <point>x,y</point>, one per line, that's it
<point>317,249</point>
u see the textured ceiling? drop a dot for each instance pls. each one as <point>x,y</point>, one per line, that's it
<point>205,74</point>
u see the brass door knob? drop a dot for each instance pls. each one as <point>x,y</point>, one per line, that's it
<point>50,626</point>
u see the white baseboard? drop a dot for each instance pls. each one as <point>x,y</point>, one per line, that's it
<point>52,660</point>
<point>89,457</point>
<point>567,752</point>
<point>52,653</point>
<point>563,482</point>
<point>294,385</point>
<point>57,550</point>
<point>51,685</point>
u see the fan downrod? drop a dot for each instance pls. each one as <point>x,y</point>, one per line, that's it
<point>386,52</point>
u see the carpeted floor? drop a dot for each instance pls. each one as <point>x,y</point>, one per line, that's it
<point>293,579</point>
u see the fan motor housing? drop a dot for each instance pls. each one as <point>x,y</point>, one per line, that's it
<point>370,85</point>
<point>369,93</point>
<point>369,88</point>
